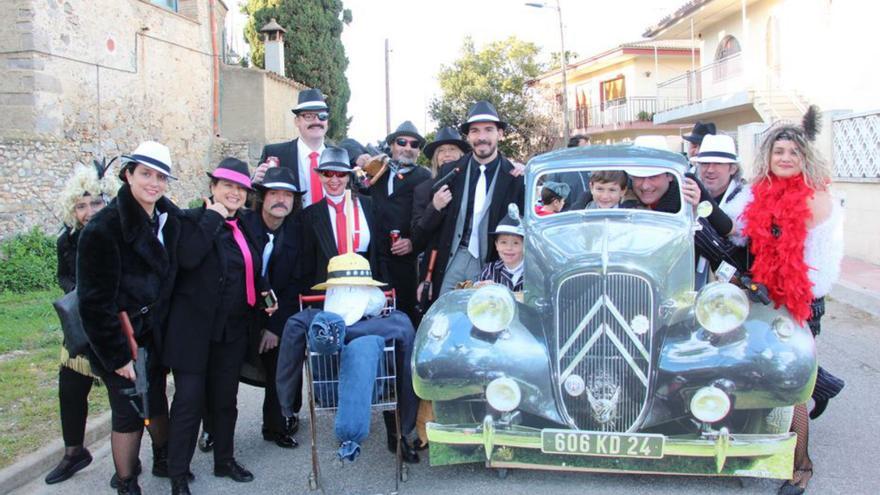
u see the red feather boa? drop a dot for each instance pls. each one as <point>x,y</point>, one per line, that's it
<point>781,205</point>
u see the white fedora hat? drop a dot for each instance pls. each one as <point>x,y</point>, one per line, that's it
<point>153,155</point>
<point>717,148</point>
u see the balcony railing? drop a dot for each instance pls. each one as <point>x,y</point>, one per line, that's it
<point>623,111</point>
<point>705,81</point>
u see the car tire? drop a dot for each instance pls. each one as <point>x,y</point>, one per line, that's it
<point>778,420</point>
<point>451,412</point>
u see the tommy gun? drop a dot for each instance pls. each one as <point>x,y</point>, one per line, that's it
<point>141,387</point>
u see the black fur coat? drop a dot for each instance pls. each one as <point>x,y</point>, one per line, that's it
<point>122,266</point>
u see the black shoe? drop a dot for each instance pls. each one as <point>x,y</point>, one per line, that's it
<point>408,453</point>
<point>114,480</point>
<point>68,466</point>
<point>206,442</point>
<point>291,425</point>
<point>419,445</point>
<point>234,470</point>
<point>180,485</point>
<point>129,487</point>
<point>282,440</point>
<point>819,408</point>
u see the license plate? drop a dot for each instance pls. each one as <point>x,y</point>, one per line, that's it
<point>602,444</point>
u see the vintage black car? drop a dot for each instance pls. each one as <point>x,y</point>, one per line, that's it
<point>609,360</point>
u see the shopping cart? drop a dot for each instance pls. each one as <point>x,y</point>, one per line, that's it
<point>322,378</point>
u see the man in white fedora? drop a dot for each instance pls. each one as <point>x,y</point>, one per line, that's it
<point>719,170</point>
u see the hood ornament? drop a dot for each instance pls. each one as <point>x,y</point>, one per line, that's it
<point>603,395</point>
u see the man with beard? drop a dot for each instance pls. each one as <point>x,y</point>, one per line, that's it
<point>392,197</point>
<point>277,231</point>
<point>659,192</point>
<point>481,193</point>
<point>301,154</point>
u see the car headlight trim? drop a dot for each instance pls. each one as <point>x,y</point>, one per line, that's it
<point>721,307</point>
<point>710,404</point>
<point>491,308</point>
<point>503,394</point>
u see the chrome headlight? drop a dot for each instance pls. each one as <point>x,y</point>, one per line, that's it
<point>491,308</point>
<point>721,307</point>
<point>503,394</point>
<point>710,404</point>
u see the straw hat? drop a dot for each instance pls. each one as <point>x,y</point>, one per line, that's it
<point>348,269</point>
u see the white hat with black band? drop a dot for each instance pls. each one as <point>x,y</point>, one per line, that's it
<point>153,155</point>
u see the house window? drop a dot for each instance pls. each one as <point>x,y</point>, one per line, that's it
<point>613,91</point>
<point>727,59</point>
<point>168,4</point>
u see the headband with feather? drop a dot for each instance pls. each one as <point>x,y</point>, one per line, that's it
<point>811,123</point>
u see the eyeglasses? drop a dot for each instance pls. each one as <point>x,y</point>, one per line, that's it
<point>406,142</point>
<point>332,173</point>
<point>308,116</point>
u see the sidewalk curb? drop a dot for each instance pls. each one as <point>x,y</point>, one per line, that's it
<point>35,464</point>
<point>857,297</point>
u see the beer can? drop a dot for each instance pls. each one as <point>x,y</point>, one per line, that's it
<point>395,235</point>
<point>273,161</point>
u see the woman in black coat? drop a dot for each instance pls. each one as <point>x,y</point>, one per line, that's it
<point>217,300</point>
<point>84,194</point>
<point>127,262</point>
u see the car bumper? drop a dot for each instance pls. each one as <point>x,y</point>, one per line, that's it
<point>719,453</point>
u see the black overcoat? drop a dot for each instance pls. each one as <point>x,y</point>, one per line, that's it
<point>196,308</point>
<point>319,243</point>
<point>122,266</point>
<point>508,189</point>
<point>66,249</point>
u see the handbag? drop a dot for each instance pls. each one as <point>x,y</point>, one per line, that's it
<point>75,340</point>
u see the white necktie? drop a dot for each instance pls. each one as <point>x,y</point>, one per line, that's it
<point>267,253</point>
<point>390,182</point>
<point>477,217</point>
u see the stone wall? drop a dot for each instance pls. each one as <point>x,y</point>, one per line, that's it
<point>81,79</point>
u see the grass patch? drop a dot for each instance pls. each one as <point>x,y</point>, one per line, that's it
<point>30,340</point>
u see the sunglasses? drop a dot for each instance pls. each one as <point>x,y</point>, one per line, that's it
<point>333,173</point>
<point>308,117</point>
<point>407,142</point>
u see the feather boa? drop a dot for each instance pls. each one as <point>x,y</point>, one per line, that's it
<point>776,225</point>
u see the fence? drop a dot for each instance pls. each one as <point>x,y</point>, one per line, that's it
<point>856,146</point>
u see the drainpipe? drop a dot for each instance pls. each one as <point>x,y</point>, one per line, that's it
<point>216,70</point>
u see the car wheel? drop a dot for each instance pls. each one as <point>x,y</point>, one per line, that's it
<point>770,421</point>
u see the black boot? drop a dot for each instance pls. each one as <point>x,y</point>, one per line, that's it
<point>68,466</point>
<point>114,480</point>
<point>180,485</point>
<point>160,461</point>
<point>206,442</point>
<point>129,487</point>
<point>407,452</point>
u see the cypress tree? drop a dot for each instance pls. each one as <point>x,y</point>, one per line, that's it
<point>313,50</point>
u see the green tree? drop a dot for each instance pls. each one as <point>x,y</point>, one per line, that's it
<point>313,50</point>
<point>498,73</point>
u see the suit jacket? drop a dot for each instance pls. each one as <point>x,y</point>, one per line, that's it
<point>508,189</point>
<point>196,309</point>
<point>66,248</point>
<point>394,212</point>
<point>319,243</point>
<point>122,266</point>
<point>283,274</point>
<point>288,154</point>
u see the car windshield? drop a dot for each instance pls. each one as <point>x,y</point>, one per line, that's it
<point>589,189</point>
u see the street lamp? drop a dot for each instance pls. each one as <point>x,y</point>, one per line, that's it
<point>542,5</point>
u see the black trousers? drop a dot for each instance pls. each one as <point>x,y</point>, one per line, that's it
<point>216,389</point>
<point>405,279</point>
<point>73,397</point>
<point>273,422</point>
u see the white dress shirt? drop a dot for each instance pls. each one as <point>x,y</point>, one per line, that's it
<point>364,230</point>
<point>305,172</point>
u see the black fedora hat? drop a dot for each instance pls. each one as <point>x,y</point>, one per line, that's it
<point>233,170</point>
<point>334,159</point>
<point>482,111</point>
<point>699,132</point>
<point>407,128</point>
<point>310,100</point>
<point>354,149</point>
<point>278,178</point>
<point>446,135</point>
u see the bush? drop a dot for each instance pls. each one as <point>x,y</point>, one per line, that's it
<point>29,262</point>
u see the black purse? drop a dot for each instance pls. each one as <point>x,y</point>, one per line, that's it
<point>75,340</point>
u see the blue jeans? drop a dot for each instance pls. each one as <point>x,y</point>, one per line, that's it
<point>357,376</point>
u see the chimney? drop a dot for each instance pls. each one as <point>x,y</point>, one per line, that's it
<point>273,39</point>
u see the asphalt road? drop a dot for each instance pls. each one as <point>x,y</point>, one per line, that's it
<point>844,447</point>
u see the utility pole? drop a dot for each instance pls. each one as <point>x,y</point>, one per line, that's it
<point>565,127</point>
<point>387,91</point>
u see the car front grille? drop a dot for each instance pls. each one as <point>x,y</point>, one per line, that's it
<point>604,328</point>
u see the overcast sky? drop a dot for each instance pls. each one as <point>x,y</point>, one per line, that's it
<point>423,35</point>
